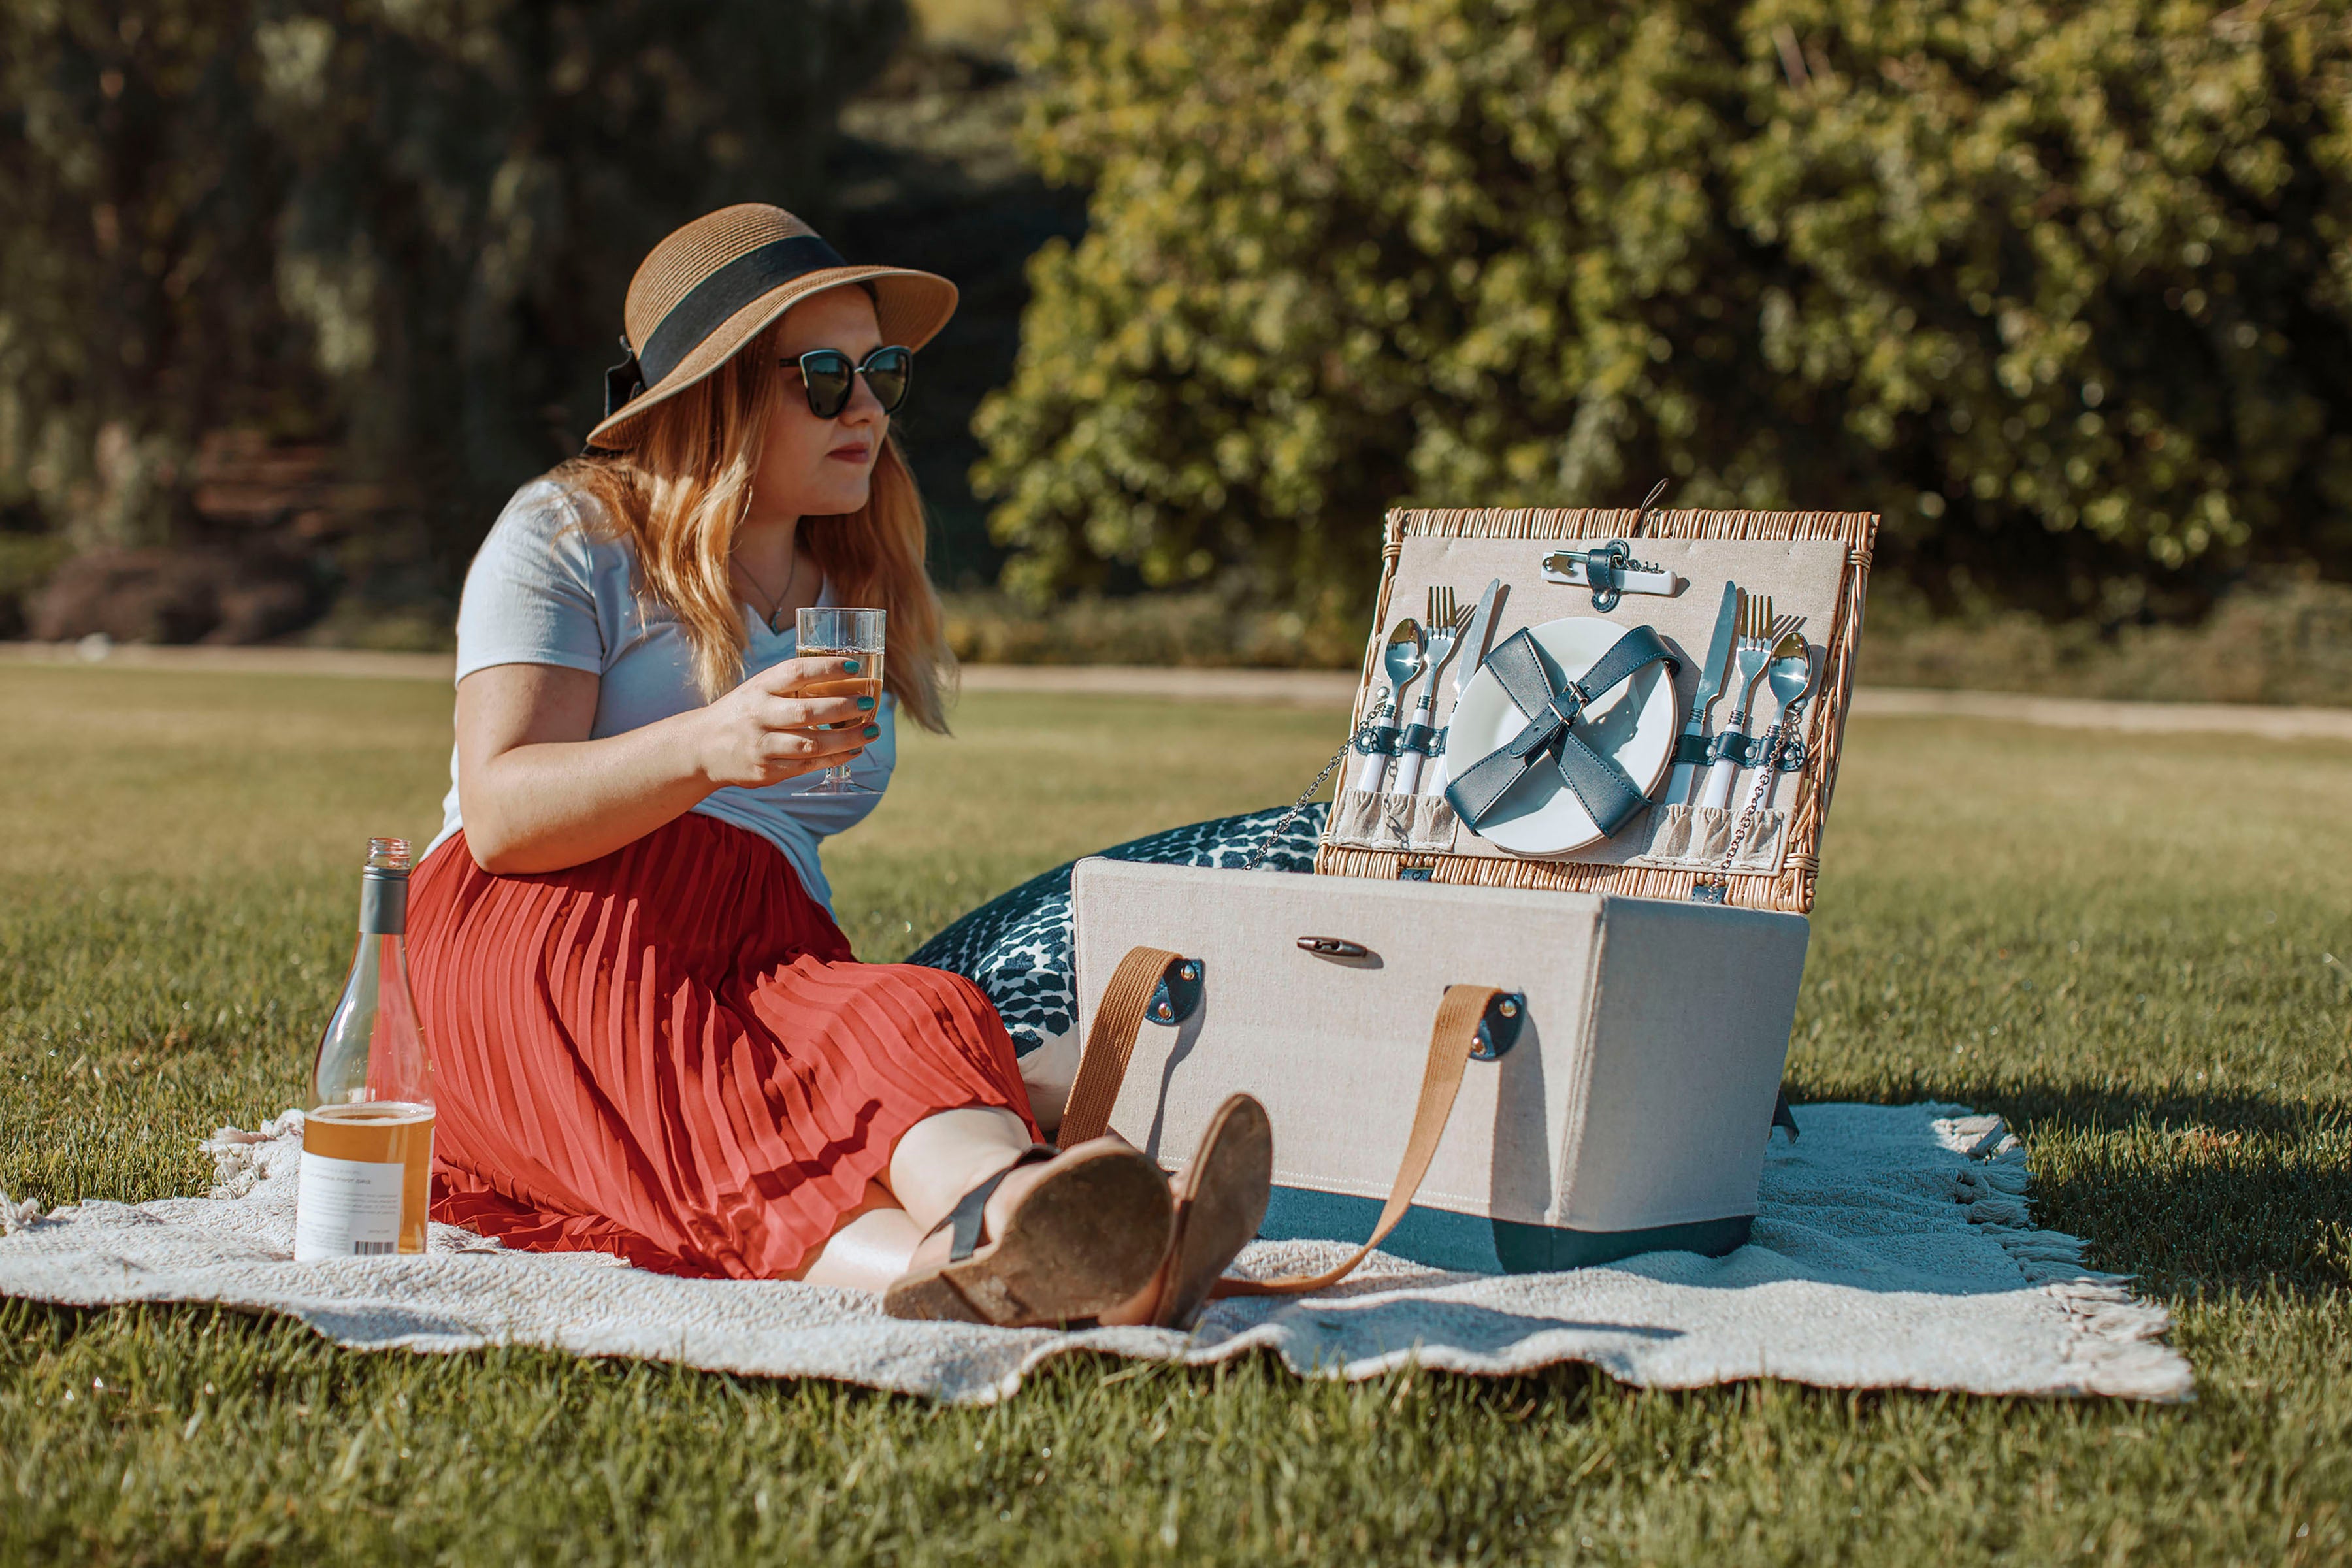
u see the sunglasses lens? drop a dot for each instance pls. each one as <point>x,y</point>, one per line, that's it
<point>889,372</point>
<point>829,376</point>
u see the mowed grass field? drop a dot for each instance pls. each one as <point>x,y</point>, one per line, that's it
<point>2137,949</point>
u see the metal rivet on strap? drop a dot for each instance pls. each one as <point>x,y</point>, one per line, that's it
<point>1498,1028</point>
<point>1178,994</point>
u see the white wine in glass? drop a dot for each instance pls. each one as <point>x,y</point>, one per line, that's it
<point>827,632</point>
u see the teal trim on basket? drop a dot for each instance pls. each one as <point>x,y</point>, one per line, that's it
<point>1445,1240</point>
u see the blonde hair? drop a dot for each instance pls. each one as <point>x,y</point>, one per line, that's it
<point>679,491</point>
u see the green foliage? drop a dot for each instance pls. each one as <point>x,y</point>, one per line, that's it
<point>2060,288</point>
<point>2284,643</point>
<point>2100,940</point>
<point>402,227</point>
<point>1197,630</point>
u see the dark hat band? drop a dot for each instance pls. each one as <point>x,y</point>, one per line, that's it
<point>708,306</point>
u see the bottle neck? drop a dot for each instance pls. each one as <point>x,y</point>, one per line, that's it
<point>384,902</point>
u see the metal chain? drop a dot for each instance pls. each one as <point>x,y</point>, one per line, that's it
<point>1300,803</point>
<point>1767,772</point>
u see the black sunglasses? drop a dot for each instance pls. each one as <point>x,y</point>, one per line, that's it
<point>829,376</point>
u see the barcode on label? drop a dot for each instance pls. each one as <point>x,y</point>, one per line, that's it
<point>346,1208</point>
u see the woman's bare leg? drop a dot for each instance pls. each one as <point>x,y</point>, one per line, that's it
<point>938,1160</point>
<point>944,1156</point>
<point>869,1248</point>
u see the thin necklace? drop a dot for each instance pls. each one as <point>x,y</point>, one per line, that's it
<point>775,601</point>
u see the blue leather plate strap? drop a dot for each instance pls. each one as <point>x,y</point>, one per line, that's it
<point>1553,706</point>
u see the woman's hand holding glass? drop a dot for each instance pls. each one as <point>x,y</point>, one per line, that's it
<point>766,730</point>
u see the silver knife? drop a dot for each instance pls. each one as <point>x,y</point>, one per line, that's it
<point>1710,687</point>
<point>1468,655</point>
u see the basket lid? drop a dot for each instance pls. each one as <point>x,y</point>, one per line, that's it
<point>1576,582</point>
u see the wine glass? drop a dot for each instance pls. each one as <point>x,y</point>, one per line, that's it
<point>829,632</point>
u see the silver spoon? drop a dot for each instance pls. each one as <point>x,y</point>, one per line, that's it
<point>1402,660</point>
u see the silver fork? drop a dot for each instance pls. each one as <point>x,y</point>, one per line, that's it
<point>1446,623</point>
<point>1759,630</point>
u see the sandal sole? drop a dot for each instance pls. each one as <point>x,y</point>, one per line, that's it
<point>1226,1191</point>
<point>1087,1237</point>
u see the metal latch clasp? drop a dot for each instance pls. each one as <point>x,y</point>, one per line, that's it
<point>1333,947</point>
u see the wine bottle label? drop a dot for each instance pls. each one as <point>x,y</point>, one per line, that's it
<point>346,1208</point>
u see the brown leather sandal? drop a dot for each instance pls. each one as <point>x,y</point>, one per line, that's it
<point>1085,1238</point>
<point>1219,1207</point>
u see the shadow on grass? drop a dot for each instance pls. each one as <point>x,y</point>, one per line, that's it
<point>2190,1190</point>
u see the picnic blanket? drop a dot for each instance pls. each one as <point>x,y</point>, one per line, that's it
<point>1892,1248</point>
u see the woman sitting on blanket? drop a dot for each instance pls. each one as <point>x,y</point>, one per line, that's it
<point>649,1038</point>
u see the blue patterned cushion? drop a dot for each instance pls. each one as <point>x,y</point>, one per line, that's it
<point>1016,946</point>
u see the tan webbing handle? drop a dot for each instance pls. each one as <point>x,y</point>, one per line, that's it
<point>1111,1043</point>
<point>1102,1065</point>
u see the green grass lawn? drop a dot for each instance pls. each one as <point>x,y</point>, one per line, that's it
<point>2137,949</point>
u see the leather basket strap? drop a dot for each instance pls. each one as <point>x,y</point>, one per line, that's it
<point>1451,1040</point>
<point>1102,1067</point>
<point>1111,1043</point>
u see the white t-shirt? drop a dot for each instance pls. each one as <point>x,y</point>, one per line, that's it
<point>546,588</point>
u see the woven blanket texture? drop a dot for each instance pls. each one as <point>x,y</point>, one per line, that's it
<point>1892,1248</point>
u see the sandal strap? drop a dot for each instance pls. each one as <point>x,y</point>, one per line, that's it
<point>969,1217</point>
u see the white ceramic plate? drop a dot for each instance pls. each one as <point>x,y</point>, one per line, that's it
<point>1634,723</point>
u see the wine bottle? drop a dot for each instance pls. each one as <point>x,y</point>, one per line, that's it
<point>367,1140</point>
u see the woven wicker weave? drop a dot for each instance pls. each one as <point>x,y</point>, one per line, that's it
<point>1789,889</point>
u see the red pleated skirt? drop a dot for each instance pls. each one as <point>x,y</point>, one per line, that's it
<point>671,1055</point>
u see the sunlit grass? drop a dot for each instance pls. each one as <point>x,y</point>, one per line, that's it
<point>2134,948</point>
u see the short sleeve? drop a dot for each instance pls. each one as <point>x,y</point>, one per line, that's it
<point>530,594</point>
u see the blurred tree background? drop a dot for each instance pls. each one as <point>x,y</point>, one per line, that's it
<point>2061,288</point>
<point>292,292</point>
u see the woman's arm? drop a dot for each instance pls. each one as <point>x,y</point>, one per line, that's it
<point>536,794</point>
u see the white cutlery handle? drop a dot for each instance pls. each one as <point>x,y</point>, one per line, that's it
<point>1784,734</point>
<point>1407,772</point>
<point>1409,761</point>
<point>1768,760</point>
<point>1723,772</point>
<point>1372,772</point>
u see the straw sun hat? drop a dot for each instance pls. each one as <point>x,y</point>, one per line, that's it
<point>714,285</point>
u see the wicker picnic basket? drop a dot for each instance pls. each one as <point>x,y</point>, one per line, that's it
<point>1788,886</point>
<point>1611,1021</point>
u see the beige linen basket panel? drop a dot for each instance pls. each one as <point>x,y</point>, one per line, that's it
<point>1814,564</point>
<point>1636,1096</point>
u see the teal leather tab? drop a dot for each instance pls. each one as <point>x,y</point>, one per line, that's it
<point>1604,574</point>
